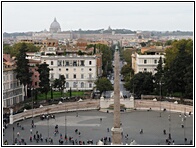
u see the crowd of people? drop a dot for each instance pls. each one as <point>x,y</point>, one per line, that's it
<point>35,136</point>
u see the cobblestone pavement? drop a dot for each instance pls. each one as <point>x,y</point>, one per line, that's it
<point>91,127</point>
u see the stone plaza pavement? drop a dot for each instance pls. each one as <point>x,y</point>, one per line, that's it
<point>92,128</point>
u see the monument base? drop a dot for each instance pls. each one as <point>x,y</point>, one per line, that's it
<point>116,136</point>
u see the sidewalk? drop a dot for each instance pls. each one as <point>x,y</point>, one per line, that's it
<point>94,104</point>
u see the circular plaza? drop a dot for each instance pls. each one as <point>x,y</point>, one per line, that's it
<point>93,126</point>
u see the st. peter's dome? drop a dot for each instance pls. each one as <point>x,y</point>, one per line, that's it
<point>55,27</point>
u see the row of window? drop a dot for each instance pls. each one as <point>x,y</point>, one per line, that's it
<point>75,85</point>
<point>12,101</point>
<point>7,77</point>
<point>68,63</point>
<point>12,85</point>
<point>155,61</point>
<point>12,93</point>
<point>74,76</point>
<point>67,69</point>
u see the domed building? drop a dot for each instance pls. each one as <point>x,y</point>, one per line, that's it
<point>55,27</point>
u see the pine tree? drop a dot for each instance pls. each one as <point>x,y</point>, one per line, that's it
<point>44,78</point>
<point>22,70</point>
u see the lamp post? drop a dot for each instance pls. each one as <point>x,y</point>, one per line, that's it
<point>32,108</point>
<point>160,97</point>
<point>76,99</point>
<point>13,137</point>
<point>184,124</point>
<point>169,118</point>
<point>65,125</point>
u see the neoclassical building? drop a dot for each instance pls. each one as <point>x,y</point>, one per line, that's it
<point>55,26</point>
<point>13,91</point>
<point>80,72</point>
<point>147,62</point>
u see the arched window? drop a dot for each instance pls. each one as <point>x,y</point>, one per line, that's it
<point>75,84</point>
<point>82,84</point>
<point>67,84</point>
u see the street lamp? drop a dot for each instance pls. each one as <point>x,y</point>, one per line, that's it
<point>76,99</point>
<point>160,94</point>
<point>169,118</point>
<point>13,137</point>
<point>65,125</point>
<point>184,124</point>
<point>32,107</point>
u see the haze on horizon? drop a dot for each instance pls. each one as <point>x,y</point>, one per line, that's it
<point>151,16</point>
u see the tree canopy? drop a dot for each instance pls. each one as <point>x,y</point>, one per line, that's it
<point>60,83</point>
<point>44,78</point>
<point>141,83</point>
<point>103,84</point>
<point>14,50</point>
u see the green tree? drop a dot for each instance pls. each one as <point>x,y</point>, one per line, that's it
<point>80,52</point>
<point>60,83</point>
<point>179,74</point>
<point>44,78</point>
<point>127,56</point>
<point>141,83</point>
<point>22,70</point>
<point>106,58</point>
<point>127,72</point>
<point>29,47</point>
<point>103,84</point>
<point>7,49</point>
<point>158,75</point>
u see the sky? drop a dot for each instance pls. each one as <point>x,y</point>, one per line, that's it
<point>145,16</point>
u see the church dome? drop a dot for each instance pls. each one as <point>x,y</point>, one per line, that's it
<point>55,26</point>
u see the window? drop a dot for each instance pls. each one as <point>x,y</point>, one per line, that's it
<point>59,63</point>
<point>90,69</point>
<point>90,85</point>
<point>82,69</point>
<point>82,84</point>
<point>74,76</point>
<point>82,76</point>
<point>67,63</point>
<point>67,84</point>
<point>75,84</point>
<point>145,61</point>
<point>90,76</point>
<point>90,62</point>
<point>82,63</point>
<point>52,76</point>
<point>74,69</point>
<point>67,76</point>
<point>145,69</point>
<point>35,83</point>
<point>11,77</point>
<point>155,61</point>
<point>59,69</point>
<point>67,69</point>
<point>74,63</point>
<point>51,69</point>
<point>51,62</point>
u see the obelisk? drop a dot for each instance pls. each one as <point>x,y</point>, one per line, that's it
<point>116,130</point>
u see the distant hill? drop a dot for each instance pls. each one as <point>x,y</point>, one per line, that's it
<point>172,33</point>
<point>117,31</point>
<point>15,34</point>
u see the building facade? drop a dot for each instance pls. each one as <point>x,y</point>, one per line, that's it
<point>13,91</point>
<point>80,71</point>
<point>145,63</point>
